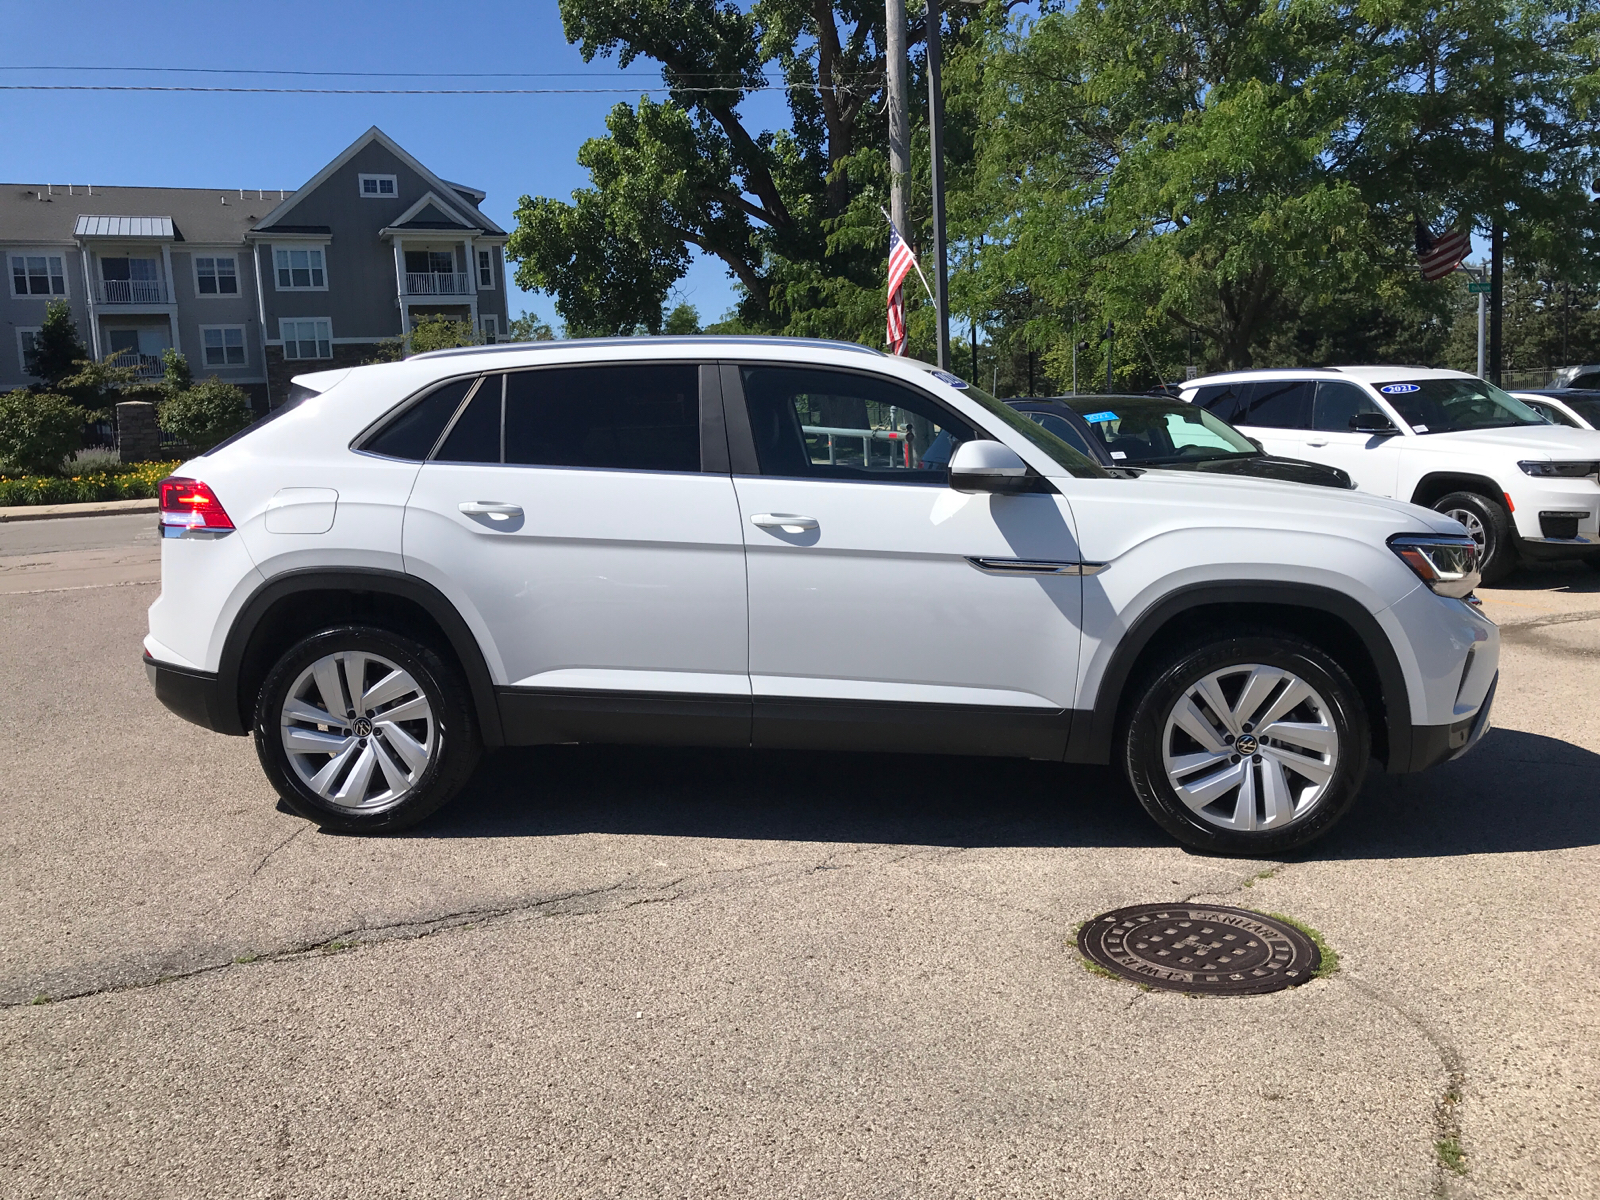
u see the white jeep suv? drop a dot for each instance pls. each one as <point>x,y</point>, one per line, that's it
<point>1444,439</point>
<point>738,542</point>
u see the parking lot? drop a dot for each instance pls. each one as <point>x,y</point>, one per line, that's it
<point>639,972</point>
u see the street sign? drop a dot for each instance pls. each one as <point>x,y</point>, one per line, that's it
<point>1474,287</point>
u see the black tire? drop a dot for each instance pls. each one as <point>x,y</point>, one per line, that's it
<point>1497,554</point>
<point>452,738</point>
<point>1173,678</point>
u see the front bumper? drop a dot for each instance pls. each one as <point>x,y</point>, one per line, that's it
<point>1435,744</point>
<point>196,696</point>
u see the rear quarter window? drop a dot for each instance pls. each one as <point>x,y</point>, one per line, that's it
<point>1222,400</point>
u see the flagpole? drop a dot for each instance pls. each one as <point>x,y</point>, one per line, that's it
<point>895,60</point>
<point>936,156</point>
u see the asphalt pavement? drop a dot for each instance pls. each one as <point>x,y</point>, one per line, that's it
<point>642,973</point>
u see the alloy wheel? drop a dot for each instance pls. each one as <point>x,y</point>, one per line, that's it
<point>1250,747</point>
<point>358,730</point>
<point>1474,526</point>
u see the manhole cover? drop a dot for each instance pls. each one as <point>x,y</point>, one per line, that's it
<point>1192,948</point>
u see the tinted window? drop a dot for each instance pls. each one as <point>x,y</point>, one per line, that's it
<point>637,418</point>
<point>1337,403</point>
<point>475,437</point>
<point>1277,404</point>
<point>1587,381</point>
<point>1589,410</point>
<point>1063,429</point>
<point>834,425</point>
<point>1222,400</point>
<point>412,434</point>
<point>1450,405</point>
<point>1156,431</point>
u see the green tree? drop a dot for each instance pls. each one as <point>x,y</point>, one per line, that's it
<point>529,328</point>
<point>38,431</point>
<point>792,212</point>
<point>683,319</point>
<point>439,332</point>
<point>176,375</point>
<point>57,346</point>
<point>202,415</point>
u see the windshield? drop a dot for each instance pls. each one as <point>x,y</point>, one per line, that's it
<point>1589,410</point>
<point>1075,461</point>
<point>1453,405</point>
<point>1146,433</point>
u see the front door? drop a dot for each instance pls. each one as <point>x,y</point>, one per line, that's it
<point>573,518</point>
<point>888,612</point>
<point>1370,459</point>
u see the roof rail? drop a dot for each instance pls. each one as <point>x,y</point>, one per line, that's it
<point>698,339</point>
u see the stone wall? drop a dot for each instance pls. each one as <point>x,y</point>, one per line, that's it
<point>138,435</point>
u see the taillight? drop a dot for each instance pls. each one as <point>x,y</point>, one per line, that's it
<point>189,506</point>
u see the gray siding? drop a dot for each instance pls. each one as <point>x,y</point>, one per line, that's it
<point>27,312</point>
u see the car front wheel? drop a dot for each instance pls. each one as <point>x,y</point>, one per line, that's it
<point>1489,525</point>
<point>364,731</point>
<point>1251,745</point>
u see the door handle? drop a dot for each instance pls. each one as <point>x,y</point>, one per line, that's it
<point>495,510</point>
<point>788,522</point>
<point>1316,443</point>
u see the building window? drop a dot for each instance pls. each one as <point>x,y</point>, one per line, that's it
<point>38,275</point>
<point>216,276</point>
<point>300,270</point>
<point>485,269</point>
<point>491,328</point>
<point>309,338</point>
<point>28,349</point>
<point>377,185</point>
<point>224,345</point>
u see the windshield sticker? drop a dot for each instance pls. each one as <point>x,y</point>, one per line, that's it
<point>1419,429</point>
<point>1095,418</point>
<point>1119,454</point>
<point>954,381</point>
<point>1399,389</point>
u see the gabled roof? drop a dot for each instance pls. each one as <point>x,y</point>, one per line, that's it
<point>374,134</point>
<point>433,213</point>
<point>35,213</point>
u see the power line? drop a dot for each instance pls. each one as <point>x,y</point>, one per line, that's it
<point>292,91</point>
<point>369,74</point>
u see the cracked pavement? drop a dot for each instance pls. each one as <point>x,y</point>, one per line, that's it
<point>638,972</point>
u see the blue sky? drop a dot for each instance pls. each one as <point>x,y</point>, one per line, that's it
<point>506,145</point>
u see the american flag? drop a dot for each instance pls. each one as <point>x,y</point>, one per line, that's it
<point>901,260</point>
<point>1439,256</point>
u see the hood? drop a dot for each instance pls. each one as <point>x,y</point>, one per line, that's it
<point>1549,441</point>
<point>1266,501</point>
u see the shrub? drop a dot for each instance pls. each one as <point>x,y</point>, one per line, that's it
<point>203,415</point>
<point>439,332</point>
<point>135,482</point>
<point>38,431</point>
<point>175,373</point>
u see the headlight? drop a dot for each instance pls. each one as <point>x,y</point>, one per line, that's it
<point>1561,470</point>
<point>1448,565</point>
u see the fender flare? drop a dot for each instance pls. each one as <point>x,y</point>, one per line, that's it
<point>364,579</point>
<point>1093,731</point>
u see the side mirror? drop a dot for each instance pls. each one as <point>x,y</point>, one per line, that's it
<point>1372,422</point>
<point>990,467</point>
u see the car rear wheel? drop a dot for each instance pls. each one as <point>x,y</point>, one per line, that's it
<point>364,731</point>
<point>1490,526</point>
<point>1250,745</point>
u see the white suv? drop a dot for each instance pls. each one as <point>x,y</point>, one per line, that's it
<point>1444,439</point>
<point>738,542</point>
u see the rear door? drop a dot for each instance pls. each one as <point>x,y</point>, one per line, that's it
<point>888,611</point>
<point>1277,414</point>
<point>584,520</point>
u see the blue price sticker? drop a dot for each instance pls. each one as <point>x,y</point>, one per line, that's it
<point>1398,389</point>
<point>1096,418</point>
<point>954,381</point>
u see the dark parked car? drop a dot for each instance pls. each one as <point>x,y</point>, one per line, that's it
<point>1153,431</point>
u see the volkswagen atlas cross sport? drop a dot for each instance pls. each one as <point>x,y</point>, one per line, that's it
<point>738,542</point>
<point>1522,487</point>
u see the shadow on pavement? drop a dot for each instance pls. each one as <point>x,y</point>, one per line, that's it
<point>1515,792</point>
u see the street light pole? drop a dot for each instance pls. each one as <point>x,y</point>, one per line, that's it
<point>941,281</point>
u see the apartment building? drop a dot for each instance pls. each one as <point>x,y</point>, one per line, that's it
<point>251,285</point>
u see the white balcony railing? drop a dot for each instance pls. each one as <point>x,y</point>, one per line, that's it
<point>132,291</point>
<point>148,366</point>
<point>437,283</point>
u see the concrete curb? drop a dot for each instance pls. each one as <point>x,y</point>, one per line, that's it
<point>99,508</point>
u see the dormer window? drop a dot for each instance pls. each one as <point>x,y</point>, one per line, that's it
<point>376,187</point>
